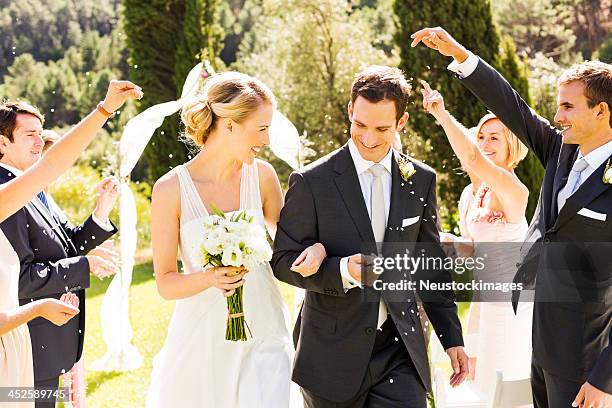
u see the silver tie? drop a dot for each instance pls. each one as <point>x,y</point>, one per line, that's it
<point>573,182</point>
<point>379,222</point>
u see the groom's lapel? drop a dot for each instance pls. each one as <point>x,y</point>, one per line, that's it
<point>588,191</point>
<point>350,191</point>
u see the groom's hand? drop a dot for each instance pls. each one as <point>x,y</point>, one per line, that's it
<point>589,396</point>
<point>459,362</point>
<point>438,39</point>
<point>309,261</point>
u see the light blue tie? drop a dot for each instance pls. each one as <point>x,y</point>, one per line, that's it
<point>573,182</point>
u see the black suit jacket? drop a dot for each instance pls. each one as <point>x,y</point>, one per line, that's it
<point>335,331</point>
<point>51,253</point>
<point>572,255</point>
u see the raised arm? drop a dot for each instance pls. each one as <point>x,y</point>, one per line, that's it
<point>17,192</point>
<point>508,188</point>
<point>496,93</point>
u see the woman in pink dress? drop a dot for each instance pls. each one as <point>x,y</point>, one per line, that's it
<point>493,224</point>
<point>16,369</point>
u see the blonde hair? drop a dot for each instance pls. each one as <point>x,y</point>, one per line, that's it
<point>229,95</point>
<point>517,151</point>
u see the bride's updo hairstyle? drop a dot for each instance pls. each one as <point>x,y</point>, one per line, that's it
<point>229,95</point>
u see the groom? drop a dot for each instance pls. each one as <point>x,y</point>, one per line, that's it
<point>572,322</point>
<point>351,352</point>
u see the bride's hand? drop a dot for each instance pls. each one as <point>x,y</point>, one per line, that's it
<point>225,278</point>
<point>433,102</point>
<point>309,261</point>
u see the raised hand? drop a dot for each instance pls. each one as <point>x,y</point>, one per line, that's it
<point>108,191</point>
<point>103,261</point>
<point>438,39</point>
<point>225,278</point>
<point>433,102</point>
<point>118,92</point>
<point>60,311</point>
<point>309,261</point>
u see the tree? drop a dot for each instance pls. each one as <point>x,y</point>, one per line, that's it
<point>422,63</point>
<point>537,26</point>
<point>164,39</point>
<point>530,171</point>
<point>312,67</point>
<point>45,29</point>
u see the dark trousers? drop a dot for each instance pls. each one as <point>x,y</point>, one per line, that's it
<point>549,390</point>
<point>50,384</point>
<point>391,379</point>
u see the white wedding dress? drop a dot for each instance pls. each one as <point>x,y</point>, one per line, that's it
<point>197,367</point>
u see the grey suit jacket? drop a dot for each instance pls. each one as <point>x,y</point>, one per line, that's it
<point>335,331</point>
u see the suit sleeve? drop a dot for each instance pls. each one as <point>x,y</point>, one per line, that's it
<point>601,375</point>
<point>86,236</point>
<point>297,230</point>
<point>497,94</point>
<point>439,304</point>
<point>42,279</point>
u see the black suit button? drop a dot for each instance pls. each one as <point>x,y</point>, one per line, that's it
<point>518,264</point>
<point>370,330</point>
<point>547,240</point>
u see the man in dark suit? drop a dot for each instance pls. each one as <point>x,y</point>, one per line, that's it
<point>51,251</point>
<point>337,208</point>
<point>572,355</point>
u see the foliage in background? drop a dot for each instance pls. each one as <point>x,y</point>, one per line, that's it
<point>423,63</point>
<point>46,29</point>
<point>75,193</point>
<point>311,70</point>
<point>165,39</point>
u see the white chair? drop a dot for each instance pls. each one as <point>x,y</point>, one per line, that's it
<point>509,394</point>
<point>464,396</point>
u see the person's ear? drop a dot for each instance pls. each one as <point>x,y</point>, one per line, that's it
<point>402,122</point>
<point>603,111</point>
<point>349,110</point>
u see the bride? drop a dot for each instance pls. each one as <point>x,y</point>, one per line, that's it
<point>197,367</point>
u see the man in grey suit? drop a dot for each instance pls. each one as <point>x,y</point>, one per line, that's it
<point>572,355</point>
<point>355,348</point>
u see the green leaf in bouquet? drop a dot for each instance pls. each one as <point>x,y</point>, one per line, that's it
<point>217,211</point>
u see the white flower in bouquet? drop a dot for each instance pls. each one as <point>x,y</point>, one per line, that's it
<point>234,241</point>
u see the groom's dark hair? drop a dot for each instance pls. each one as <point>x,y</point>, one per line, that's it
<point>378,82</point>
<point>8,117</point>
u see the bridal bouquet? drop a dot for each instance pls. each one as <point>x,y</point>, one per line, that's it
<point>234,241</point>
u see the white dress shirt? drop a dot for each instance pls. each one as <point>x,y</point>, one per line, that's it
<point>106,226</point>
<point>594,159</point>
<point>365,181</point>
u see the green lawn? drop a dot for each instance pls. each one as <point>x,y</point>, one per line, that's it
<point>149,316</point>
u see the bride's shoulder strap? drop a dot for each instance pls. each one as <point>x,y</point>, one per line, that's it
<point>189,194</point>
<point>249,193</point>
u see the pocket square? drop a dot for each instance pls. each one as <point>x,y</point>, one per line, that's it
<point>585,212</point>
<point>409,221</point>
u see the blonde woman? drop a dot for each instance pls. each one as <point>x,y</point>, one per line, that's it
<point>492,222</point>
<point>15,349</point>
<point>229,122</point>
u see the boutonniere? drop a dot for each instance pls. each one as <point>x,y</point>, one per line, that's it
<point>607,176</point>
<point>406,167</point>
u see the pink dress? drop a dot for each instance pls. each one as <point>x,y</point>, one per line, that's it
<point>16,369</point>
<point>504,339</point>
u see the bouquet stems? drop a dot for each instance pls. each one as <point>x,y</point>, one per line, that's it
<point>235,320</point>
